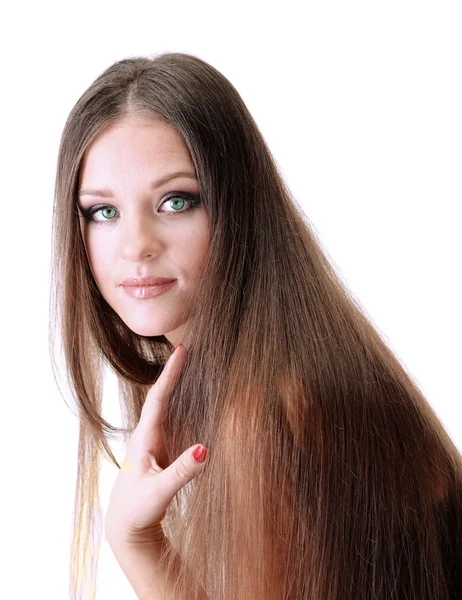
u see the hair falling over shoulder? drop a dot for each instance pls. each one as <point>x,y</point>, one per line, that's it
<point>329,476</point>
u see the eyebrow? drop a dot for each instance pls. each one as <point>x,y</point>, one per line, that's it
<point>106,193</point>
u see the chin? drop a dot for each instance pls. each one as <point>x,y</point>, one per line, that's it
<point>145,329</point>
<point>150,326</point>
<point>147,332</point>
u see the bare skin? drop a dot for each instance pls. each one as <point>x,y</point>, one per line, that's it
<point>143,490</point>
<point>135,230</point>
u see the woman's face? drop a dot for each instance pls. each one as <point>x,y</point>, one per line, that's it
<point>143,227</point>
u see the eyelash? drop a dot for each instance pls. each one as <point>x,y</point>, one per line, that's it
<point>193,199</point>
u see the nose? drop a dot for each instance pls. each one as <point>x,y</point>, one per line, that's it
<point>139,239</point>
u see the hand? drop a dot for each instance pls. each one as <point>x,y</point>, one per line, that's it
<point>143,489</point>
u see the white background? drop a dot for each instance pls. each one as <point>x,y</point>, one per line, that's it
<point>360,103</point>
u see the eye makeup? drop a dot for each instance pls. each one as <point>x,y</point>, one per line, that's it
<point>193,200</point>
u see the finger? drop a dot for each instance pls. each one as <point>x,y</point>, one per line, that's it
<point>179,473</point>
<point>154,406</point>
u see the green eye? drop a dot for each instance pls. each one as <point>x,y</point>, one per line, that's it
<point>180,202</point>
<point>176,202</point>
<point>89,214</point>
<point>108,208</point>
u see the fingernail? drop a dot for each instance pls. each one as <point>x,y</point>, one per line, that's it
<point>200,454</point>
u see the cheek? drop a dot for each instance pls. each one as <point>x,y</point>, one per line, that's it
<point>192,244</point>
<point>198,251</point>
<point>97,254</point>
<point>99,261</point>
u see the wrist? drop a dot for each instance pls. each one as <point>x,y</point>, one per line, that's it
<point>125,546</point>
<point>136,540</point>
<point>141,564</point>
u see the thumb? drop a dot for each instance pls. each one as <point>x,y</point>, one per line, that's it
<point>180,472</point>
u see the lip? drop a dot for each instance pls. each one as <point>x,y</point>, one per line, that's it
<point>146,281</point>
<point>142,292</point>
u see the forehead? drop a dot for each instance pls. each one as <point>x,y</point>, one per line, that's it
<point>136,143</point>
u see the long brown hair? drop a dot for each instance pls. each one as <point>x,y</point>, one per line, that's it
<point>329,475</point>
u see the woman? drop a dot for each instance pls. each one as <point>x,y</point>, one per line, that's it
<point>328,475</point>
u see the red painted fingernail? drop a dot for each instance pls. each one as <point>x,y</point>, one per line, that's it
<point>200,454</point>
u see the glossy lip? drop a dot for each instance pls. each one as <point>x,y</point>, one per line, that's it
<point>142,292</point>
<point>147,281</point>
